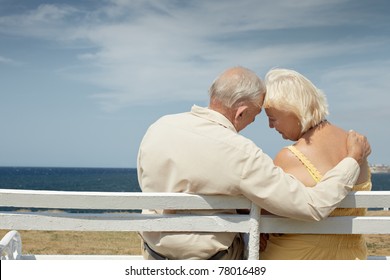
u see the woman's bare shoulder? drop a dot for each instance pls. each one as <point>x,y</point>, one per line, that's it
<point>292,165</point>
<point>286,159</point>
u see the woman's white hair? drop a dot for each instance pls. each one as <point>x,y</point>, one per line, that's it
<point>290,91</point>
<point>237,85</point>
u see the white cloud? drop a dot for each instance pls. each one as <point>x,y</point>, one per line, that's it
<point>146,50</point>
<point>48,13</point>
<point>9,61</point>
<point>47,21</point>
<point>5,60</point>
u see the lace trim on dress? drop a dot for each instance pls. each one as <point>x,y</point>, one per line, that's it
<point>314,173</point>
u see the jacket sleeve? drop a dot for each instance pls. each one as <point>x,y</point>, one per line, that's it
<point>282,194</point>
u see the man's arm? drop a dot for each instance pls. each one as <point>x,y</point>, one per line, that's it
<point>282,194</point>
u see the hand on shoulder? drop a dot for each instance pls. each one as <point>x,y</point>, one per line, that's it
<point>358,146</point>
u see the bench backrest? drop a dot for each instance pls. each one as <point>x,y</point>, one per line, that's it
<point>116,216</point>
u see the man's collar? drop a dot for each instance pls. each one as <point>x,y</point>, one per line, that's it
<point>211,115</point>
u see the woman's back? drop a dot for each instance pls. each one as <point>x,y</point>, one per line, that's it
<point>324,146</point>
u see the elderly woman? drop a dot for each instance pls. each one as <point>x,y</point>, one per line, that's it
<point>298,110</point>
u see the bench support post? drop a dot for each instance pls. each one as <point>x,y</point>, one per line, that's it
<point>254,233</point>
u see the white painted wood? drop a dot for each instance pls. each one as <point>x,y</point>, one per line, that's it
<point>366,199</point>
<point>116,200</point>
<point>195,223</point>
<point>129,201</point>
<point>254,233</point>
<point>337,225</point>
<point>11,246</point>
<point>124,222</point>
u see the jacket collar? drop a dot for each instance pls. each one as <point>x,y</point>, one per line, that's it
<point>213,116</point>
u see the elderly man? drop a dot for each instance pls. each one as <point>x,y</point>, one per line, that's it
<point>201,152</point>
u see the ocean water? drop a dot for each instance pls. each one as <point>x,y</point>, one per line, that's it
<point>380,181</point>
<point>70,179</point>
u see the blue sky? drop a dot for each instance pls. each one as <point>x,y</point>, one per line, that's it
<point>81,81</point>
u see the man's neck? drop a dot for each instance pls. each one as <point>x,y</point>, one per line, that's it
<point>217,106</point>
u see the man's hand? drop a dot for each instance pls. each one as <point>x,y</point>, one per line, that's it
<point>358,146</point>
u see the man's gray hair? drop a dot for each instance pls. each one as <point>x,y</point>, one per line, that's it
<point>236,85</point>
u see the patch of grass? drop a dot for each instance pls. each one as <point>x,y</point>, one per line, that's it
<point>79,243</point>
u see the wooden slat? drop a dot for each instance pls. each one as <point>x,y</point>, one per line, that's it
<point>123,201</point>
<point>196,223</point>
<point>119,201</point>
<point>124,222</point>
<point>337,225</point>
<point>366,199</point>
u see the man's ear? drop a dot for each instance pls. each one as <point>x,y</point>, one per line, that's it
<point>241,110</point>
<point>239,123</point>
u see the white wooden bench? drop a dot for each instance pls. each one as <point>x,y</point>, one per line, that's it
<point>252,223</point>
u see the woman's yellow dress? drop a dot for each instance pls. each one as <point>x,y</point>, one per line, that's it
<point>319,246</point>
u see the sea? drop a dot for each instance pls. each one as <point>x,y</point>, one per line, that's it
<point>70,179</point>
<point>97,179</point>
